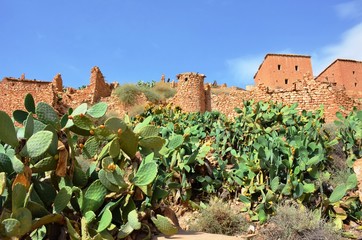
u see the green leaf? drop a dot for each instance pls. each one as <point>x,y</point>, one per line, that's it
<point>11,227</point>
<point>74,235</point>
<point>83,122</point>
<point>29,103</point>
<point>154,143</point>
<point>18,196</point>
<point>175,141</point>
<point>114,124</point>
<point>104,180</point>
<point>37,144</point>
<point>62,199</point>
<point>129,142</point>
<point>7,130</point>
<point>308,188</point>
<point>36,209</point>
<point>244,199</point>
<point>98,110</point>
<point>46,164</point>
<point>18,165</point>
<point>338,193</point>
<point>145,174</point>
<point>114,148</point>
<point>352,181</point>
<point>89,216</point>
<point>94,196</point>
<point>164,225</point>
<point>274,184</point>
<point>6,164</point>
<point>20,116</point>
<point>29,126</point>
<point>90,148</point>
<point>47,114</point>
<point>23,215</point>
<point>148,131</point>
<point>124,231</point>
<point>105,221</point>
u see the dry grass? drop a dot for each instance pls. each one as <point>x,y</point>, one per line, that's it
<point>293,221</point>
<point>220,218</point>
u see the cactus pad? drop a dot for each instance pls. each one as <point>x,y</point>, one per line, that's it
<point>164,225</point>
<point>37,144</point>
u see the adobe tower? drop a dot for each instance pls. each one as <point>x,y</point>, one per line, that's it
<point>190,94</point>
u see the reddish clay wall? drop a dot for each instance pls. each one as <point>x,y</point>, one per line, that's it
<point>282,70</point>
<point>345,74</point>
<point>13,92</point>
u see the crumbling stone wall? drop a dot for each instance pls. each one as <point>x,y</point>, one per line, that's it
<point>13,92</point>
<point>58,83</point>
<point>190,94</point>
<point>91,94</point>
<point>309,95</point>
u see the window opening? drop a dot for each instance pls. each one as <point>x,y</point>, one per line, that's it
<point>296,67</point>
<point>355,84</point>
<point>279,67</point>
<point>286,81</point>
<point>353,72</point>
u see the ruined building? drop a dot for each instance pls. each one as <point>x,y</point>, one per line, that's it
<point>13,91</point>
<point>190,95</point>
<point>282,70</point>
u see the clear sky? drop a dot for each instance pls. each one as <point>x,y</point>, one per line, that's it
<point>133,40</point>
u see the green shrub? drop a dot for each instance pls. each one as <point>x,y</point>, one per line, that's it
<point>220,218</point>
<point>292,221</point>
<point>127,93</point>
<point>165,90</point>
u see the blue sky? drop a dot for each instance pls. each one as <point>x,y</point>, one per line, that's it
<point>133,40</point>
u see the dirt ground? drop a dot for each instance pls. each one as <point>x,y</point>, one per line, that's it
<point>199,236</point>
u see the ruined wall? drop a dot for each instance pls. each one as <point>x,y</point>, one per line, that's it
<point>58,83</point>
<point>309,95</point>
<point>282,70</point>
<point>98,87</point>
<point>190,94</point>
<point>13,92</point>
<point>91,94</point>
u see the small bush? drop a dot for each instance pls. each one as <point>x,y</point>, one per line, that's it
<point>165,90</point>
<point>127,93</point>
<point>220,218</point>
<point>293,221</point>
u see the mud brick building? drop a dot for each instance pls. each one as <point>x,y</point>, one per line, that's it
<point>282,70</point>
<point>344,73</point>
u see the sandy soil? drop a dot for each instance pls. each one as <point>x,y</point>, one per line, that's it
<point>198,236</point>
